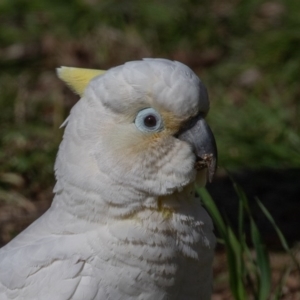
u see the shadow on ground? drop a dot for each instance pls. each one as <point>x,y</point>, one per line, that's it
<point>278,190</point>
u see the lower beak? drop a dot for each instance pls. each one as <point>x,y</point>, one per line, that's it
<point>203,142</point>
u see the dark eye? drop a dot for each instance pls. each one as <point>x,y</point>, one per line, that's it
<point>148,120</point>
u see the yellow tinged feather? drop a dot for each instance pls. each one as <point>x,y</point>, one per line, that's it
<point>77,78</point>
<point>167,212</point>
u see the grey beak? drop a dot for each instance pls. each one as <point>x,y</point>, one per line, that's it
<point>203,142</point>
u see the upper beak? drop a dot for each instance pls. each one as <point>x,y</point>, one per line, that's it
<point>203,142</point>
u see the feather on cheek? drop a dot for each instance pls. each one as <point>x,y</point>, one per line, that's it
<point>157,163</point>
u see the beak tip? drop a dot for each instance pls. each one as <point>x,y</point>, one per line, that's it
<point>212,168</point>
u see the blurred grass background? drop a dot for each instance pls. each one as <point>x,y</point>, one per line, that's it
<point>246,52</point>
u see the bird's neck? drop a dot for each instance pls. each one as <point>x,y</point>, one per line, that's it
<point>98,200</point>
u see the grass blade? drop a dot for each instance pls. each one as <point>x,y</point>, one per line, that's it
<point>233,247</point>
<point>279,233</point>
<point>213,211</point>
<point>263,263</point>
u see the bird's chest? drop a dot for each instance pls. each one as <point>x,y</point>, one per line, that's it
<point>158,254</point>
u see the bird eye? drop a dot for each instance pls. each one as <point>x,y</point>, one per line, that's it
<point>148,120</point>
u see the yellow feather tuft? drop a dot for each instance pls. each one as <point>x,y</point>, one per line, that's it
<point>77,78</point>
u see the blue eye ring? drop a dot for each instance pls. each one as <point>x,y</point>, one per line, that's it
<point>149,120</point>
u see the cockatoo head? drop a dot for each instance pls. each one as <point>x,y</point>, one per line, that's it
<point>140,125</point>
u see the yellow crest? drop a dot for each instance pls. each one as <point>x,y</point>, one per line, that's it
<point>77,78</point>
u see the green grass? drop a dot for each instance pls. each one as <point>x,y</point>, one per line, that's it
<point>250,274</point>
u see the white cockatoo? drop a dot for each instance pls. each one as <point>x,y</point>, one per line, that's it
<point>124,222</point>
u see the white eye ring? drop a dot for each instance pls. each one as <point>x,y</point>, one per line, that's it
<point>148,120</point>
